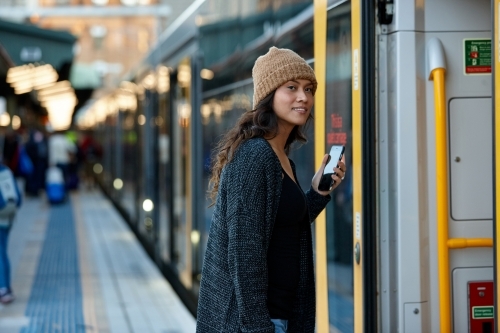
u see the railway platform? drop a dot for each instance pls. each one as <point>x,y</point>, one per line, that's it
<point>76,267</point>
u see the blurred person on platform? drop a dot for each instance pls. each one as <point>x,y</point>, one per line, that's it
<point>91,153</point>
<point>10,153</point>
<point>10,200</point>
<point>73,180</point>
<point>37,150</point>
<point>10,160</point>
<point>258,270</point>
<point>62,151</point>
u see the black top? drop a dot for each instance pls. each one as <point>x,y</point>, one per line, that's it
<point>283,256</point>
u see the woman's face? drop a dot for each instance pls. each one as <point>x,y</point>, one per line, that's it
<point>292,102</point>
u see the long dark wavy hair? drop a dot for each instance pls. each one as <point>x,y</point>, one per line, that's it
<point>260,122</point>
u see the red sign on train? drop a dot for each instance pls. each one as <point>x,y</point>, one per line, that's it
<point>336,137</point>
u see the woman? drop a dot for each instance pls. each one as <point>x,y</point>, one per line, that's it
<point>258,268</point>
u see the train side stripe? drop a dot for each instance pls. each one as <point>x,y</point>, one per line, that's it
<point>357,162</point>
<point>320,21</point>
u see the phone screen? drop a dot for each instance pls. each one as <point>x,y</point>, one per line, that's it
<point>335,156</point>
<point>326,181</point>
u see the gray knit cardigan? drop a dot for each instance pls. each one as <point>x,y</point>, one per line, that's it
<point>233,292</point>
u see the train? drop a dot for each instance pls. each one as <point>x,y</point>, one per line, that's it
<point>407,243</point>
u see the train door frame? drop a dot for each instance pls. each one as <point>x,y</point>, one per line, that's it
<point>320,22</point>
<point>369,166</point>
<point>364,164</point>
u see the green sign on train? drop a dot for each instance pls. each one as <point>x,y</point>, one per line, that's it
<point>482,312</point>
<point>477,56</point>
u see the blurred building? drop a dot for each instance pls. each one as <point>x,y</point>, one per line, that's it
<point>113,35</point>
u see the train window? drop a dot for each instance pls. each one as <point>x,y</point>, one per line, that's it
<point>164,175</point>
<point>338,131</point>
<point>129,152</point>
<point>182,171</point>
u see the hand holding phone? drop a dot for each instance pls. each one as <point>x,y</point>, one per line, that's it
<point>326,182</point>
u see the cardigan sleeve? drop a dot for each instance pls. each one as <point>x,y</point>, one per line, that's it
<point>315,203</point>
<point>248,235</point>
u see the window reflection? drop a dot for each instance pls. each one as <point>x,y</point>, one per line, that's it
<point>338,132</point>
<point>182,171</point>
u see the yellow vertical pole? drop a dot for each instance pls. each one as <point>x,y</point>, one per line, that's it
<point>320,7</point>
<point>496,65</point>
<point>357,163</point>
<point>437,76</point>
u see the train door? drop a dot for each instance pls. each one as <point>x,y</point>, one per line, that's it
<point>421,223</point>
<point>340,271</point>
<point>434,148</point>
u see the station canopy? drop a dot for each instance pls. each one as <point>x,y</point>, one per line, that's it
<point>41,60</point>
<point>30,44</point>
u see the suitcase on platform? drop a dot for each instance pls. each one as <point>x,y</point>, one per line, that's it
<point>55,186</point>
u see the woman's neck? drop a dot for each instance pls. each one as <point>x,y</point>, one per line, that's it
<point>278,142</point>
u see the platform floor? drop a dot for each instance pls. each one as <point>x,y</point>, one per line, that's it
<point>76,267</point>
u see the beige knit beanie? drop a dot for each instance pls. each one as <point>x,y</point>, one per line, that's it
<point>277,67</point>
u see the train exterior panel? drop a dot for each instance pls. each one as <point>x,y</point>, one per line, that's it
<point>407,90</point>
<point>408,146</point>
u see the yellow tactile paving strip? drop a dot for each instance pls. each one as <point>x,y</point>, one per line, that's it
<point>93,309</point>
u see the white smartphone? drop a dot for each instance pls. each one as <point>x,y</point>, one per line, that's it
<point>335,155</point>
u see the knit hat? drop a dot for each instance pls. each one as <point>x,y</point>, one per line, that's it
<point>275,68</point>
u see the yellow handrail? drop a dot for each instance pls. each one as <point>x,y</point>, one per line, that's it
<point>437,75</point>
<point>462,243</point>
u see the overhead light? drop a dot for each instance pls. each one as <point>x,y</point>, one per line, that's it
<point>205,113</point>
<point>28,77</point>
<point>28,71</point>
<point>126,100</point>
<point>15,72</point>
<point>63,95</point>
<point>22,91</point>
<point>22,85</point>
<point>141,120</point>
<point>184,75</point>
<point>4,119</point>
<point>55,88</point>
<point>207,74</point>
<point>118,184</point>
<point>147,205</point>
<point>60,109</point>
<point>195,237</point>
<point>163,81</point>
<point>65,98</point>
<point>16,122</point>
<point>149,81</point>
<point>97,168</point>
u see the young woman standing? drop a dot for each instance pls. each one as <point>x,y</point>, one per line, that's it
<point>258,271</point>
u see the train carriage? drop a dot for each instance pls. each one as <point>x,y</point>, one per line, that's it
<point>407,242</point>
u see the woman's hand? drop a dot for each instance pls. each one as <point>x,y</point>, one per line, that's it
<point>338,176</point>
